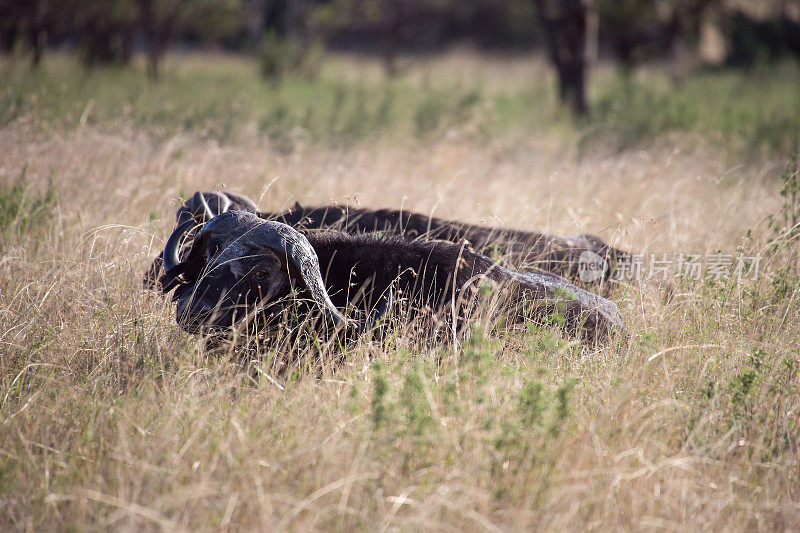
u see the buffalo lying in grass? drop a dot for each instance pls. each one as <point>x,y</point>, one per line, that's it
<point>243,270</point>
<point>565,256</point>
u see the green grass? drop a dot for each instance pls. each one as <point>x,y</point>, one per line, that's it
<point>23,210</point>
<point>757,111</point>
<point>219,99</point>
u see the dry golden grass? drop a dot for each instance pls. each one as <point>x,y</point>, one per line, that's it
<point>113,417</point>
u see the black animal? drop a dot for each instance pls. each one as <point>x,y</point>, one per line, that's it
<point>522,249</point>
<point>243,269</point>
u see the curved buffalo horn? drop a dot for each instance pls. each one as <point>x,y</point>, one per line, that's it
<point>222,203</point>
<point>197,203</point>
<point>171,255</point>
<point>199,200</point>
<point>225,205</point>
<point>289,241</point>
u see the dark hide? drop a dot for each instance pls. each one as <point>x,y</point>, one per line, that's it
<point>522,249</point>
<point>228,274</point>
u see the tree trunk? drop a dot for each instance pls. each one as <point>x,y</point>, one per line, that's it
<point>572,86</point>
<point>158,33</point>
<point>8,38</point>
<point>155,53</point>
<point>275,17</point>
<point>38,40</point>
<point>126,45</point>
<point>98,44</point>
<point>389,48</point>
<point>570,28</point>
<point>389,30</point>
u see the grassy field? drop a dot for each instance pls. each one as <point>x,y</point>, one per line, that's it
<point>350,101</point>
<point>110,416</point>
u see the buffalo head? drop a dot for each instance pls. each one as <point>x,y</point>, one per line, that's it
<point>240,268</point>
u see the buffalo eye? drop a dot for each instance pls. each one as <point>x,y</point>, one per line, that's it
<point>261,274</point>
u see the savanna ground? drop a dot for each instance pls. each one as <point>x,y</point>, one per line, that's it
<point>110,416</point>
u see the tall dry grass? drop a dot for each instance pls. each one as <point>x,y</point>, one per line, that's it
<point>110,416</point>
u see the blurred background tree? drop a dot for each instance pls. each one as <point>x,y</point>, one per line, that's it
<point>289,35</point>
<point>105,29</point>
<point>391,25</point>
<point>637,31</point>
<point>164,21</point>
<point>752,40</point>
<point>31,22</point>
<point>570,27</point>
